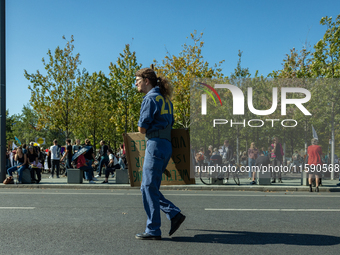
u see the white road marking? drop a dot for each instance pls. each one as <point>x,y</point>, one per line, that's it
<point>58,193</point>
<point>275,210</point>
<point>17,208</point>
<point>249,195</point>
<point>199,194</point>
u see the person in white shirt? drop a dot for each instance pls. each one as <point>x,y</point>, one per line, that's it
<point>55,158</point>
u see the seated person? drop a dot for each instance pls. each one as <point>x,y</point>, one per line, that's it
<point>81,164</point>
<point>20,157</point>
<point>121,162</point>
<point>111,166</point>
<point>33,164</point>
<point>215,159</point>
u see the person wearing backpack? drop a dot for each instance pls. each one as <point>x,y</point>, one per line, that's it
<point>55,158</point>
<point>200,157</point>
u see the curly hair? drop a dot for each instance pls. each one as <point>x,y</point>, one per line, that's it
<point>164,85</point>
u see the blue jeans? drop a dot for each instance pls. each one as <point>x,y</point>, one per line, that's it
<point>103,161</point>
<point>8,163</point>
<point>121,163</point>
<point>88,170</point>
<point>88,163</point>
<point>250,164</point>
<point>157,154</point>
<point>67,165</point>
<point>19,170</point>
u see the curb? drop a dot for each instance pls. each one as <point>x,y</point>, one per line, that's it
<point>171,187</point>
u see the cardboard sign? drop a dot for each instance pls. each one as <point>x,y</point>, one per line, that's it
<point>178,170</point>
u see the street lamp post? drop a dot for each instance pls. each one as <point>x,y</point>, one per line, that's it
<point>2,91</point>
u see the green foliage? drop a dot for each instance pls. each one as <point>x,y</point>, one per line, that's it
<point>326,62</point>
<point>124,99</point>
<point>10,122</point>
<point>240,72</point>
<point>25,127</point>
<point>69,103</point>
<point>52,95</point>
<point>181,71</point>
<point>90,106</point>
<point>295,65</point>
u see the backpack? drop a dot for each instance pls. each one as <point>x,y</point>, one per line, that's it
<point>199,157</point>
<point>9,180</point>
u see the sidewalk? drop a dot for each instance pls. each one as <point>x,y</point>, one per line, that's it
<point>289,185</point>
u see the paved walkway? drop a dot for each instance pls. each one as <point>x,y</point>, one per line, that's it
<point>290,184</point>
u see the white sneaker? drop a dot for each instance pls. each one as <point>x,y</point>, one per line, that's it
<point>51,177</point>
<point>92,182</point>
<point>97,176</point>
<point>94,179</point>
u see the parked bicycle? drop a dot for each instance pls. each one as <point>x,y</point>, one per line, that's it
<point>209,178</point>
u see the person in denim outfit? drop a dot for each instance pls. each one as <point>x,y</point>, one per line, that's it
<point>156,120</point>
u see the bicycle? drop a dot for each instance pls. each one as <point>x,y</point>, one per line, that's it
<point>62,168</point>
<point>235,174</point>
<point>218,179</point>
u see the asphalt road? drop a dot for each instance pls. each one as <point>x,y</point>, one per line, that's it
<point>51,221</point>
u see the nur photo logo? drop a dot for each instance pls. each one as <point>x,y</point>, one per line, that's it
<point>295,97</point>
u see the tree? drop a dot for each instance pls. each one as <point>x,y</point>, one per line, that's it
<point>181,71</point>
<point>295,65</point>
<point>10,122</point>
<point>326,63</point>
<point>52,95</point>
<point>326,58</point>
<point>91,111</point>
<point>25,127</point>
<point>240,72</point>
<point>125,101</point>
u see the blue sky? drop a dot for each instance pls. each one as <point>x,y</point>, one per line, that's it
<point>264,30</point>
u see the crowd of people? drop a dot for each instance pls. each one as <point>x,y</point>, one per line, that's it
<point>254,157</point>
<point>82,156</point>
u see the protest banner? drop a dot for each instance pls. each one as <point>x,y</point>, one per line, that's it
<point>178,170</point>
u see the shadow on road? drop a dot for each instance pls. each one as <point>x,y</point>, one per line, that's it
<point>258,238</point>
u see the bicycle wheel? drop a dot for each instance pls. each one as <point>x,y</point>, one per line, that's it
<point>236,179</point>
<point>208,182</point>
<point>62,169</point>
<point>235,175</point>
